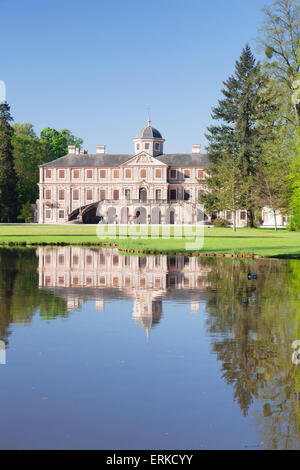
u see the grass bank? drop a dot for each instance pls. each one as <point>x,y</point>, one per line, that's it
<point>263,242</point>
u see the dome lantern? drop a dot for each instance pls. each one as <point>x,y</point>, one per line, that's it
<point>150,140</point>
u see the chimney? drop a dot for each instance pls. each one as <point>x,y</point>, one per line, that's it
<point>196,148</point>
<point>71,149</point>
<point>100,148</point>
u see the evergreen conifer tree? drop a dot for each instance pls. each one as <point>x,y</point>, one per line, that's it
<point>8,178</point>
<point>237,114</point>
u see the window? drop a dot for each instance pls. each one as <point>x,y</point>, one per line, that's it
<point>116,194</point>
<point>228,215</point>
<point>127,194</point>
<point>89,260</point>
<point>187,173</point>
<point>127,173</point>
<point>61,259</point>
<point>143,173</point>
<point>61,195</point>
<point>76,174</point>
<point>243,215</point>
<point>75,194</point>
<point>102,195</point>
<point>127,281</point>
<point>75,259</point>
<point>186,195</point>
<point>116,173</point>
<point>61,173</point>
<point>138,146</point>
<point>61,214</point>
<point>200,174</point>
<point>102,174</point>
<point>158,173</point>
<point>156,146</point>
<point>199,194</point>
<point>48,194</point>
<point>173,174</point>
<point>89,194</point>
<point>48,173</point>
<point>102,259</point>
<point>89,173</point>
<point>158,194</point>
<point>48,214</point>
<point>173,194</point>
<point>115,260</point>
<point>147,146</point>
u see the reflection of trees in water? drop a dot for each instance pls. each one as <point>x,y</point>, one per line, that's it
<point>252,325</point>
<point>20,295</point>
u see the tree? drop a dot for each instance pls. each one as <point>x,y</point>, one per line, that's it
<point>26,213</point>
<point>57,142</point>
<point>295,165</point>
<point>279,38</point>
<point>225,187</point>
<point>271,184</point>
<point>29,153</point>
<point>236,134</point>
<point>8,177</point>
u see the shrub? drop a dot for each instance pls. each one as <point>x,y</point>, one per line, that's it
<point>26,213</point>
<point>219,222</point>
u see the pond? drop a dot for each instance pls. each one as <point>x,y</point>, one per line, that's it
<point>106,351</point>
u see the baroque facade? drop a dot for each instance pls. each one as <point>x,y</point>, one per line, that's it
<point>148,187</point>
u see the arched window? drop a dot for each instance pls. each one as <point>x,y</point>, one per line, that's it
<point>143,195</point>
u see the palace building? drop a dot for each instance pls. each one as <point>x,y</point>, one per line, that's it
<point>148,187</point>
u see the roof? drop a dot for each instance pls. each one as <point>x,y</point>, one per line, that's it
<point>148,133</point>
<point>184,159</point>
<point>114,160</point>
<point>91,159</point>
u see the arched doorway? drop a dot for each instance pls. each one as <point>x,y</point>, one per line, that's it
<point>140,215</point>
<point>143,195</point>
<point>111,215</point>
<point>124,215</point>
<point>170,217</point>
<point>156,216</point>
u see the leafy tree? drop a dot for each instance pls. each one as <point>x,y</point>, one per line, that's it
<point>26,213</point>
<point>236,135</point>
<point>29,153</point>
<point>279,38</point>
<point>8,177</point>
<point>278,147</point>
<point>57,142</point>
<point>295,165</point>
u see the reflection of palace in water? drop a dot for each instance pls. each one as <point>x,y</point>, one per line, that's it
<point>81,274</point>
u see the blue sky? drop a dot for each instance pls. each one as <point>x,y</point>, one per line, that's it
<point>94,66</point>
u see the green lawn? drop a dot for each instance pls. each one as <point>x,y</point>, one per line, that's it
<point>264,242</point>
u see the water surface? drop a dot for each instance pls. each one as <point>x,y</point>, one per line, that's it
<point>105,351</point>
